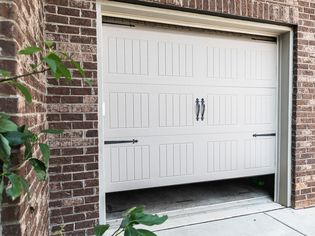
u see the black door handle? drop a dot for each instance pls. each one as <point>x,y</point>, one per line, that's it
<point>120,141</point>
<point>263,135</point>
<point>203,108</point>
<point>197,109</point>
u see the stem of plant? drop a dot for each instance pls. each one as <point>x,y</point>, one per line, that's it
<point>117,232</point>
<point>27,74</point>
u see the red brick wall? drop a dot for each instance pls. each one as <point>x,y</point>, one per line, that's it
<point>73,181</point>
<point>20,26</point>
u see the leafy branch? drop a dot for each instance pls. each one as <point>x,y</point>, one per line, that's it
<point>133,217</point>
<point>50,60</point>
<point>14,137</point>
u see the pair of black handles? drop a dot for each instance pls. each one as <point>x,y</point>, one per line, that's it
<point>200,108</point>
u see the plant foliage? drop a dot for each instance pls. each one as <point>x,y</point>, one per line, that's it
<point>132,218</point>
<point>14,137</point>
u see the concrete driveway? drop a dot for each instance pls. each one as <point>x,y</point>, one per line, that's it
<point>280,222</point>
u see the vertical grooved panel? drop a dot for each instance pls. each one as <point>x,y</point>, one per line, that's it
<point>121,110</point>
<point>145,162</point>
<point>222,155</point>
<point>163,158</point>
<point>259,152</point>
<point>221,109</point>
<point>122,164</point>
<point>129,163</point>
<point>112,55</point>
<point>210,60</point>
<point>129,110</point>
<point>175,110</point>
<point>162,57</point>
<point>189,60</point>
<point>182,60</point>
<point>113,103</point>
<point>168,59</point>
<point>175,59</point>
<point>121,60</point>
<point>136,57</point>
<point>144,60</point>
<point>137,110</point>
<point>259,109</point>
<point>114,160</point>
<point>128,56</point>
<point>176,159</point>
<point>138,163</point>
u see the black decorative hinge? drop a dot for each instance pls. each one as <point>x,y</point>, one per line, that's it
<point>133,141</point>
<point>263,135</point>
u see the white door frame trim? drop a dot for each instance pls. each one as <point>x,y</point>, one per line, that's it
<point>284,35</point>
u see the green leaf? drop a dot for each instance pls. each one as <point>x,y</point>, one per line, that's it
<point>78,67</point>
<point>125,221</point>
<point>1,189</point>
<point>48,43</point>
<point>4,73</point>
<point>5,146</point>
<point>99,230</point>
<point>52,131</point>
<point>44,148</point>
<point>28,150</point>
<point>34,66</point>
<point>52,64</point>
<point>53,61</point>
<point>134,210</point>
<point>130,231</point>
<point>149,220</point>
<point>15,138</point>
<point>25,92</point>
<point>88,82</point>
<point>64,71</point>
<point>7,125</point>
<point>39,167</point>
<point>18,185</point>
<point>29,50</point>
<point>144,232</point>
<point>4,116</point>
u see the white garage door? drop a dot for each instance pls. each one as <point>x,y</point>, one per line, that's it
<point>193,102</point>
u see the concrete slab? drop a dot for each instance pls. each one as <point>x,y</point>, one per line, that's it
<point>197,215</point>
<point>256,224</point>
<point>302,220</point>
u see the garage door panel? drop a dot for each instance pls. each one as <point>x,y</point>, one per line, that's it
<point>176,110</point>
<point>127,56</point>
<point>136,55</point>
<point>176,159</point>
<point>222,155</point>
<point>235,60</point>
<point>128,110</point>
<point>222,109</point>
<point>152,80</point>
<point>259,153</point>
<point>129,163</point>
<point>248,109</point>
<point>152,159</point>
<point>133,107</point>
<point>259,109</point>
